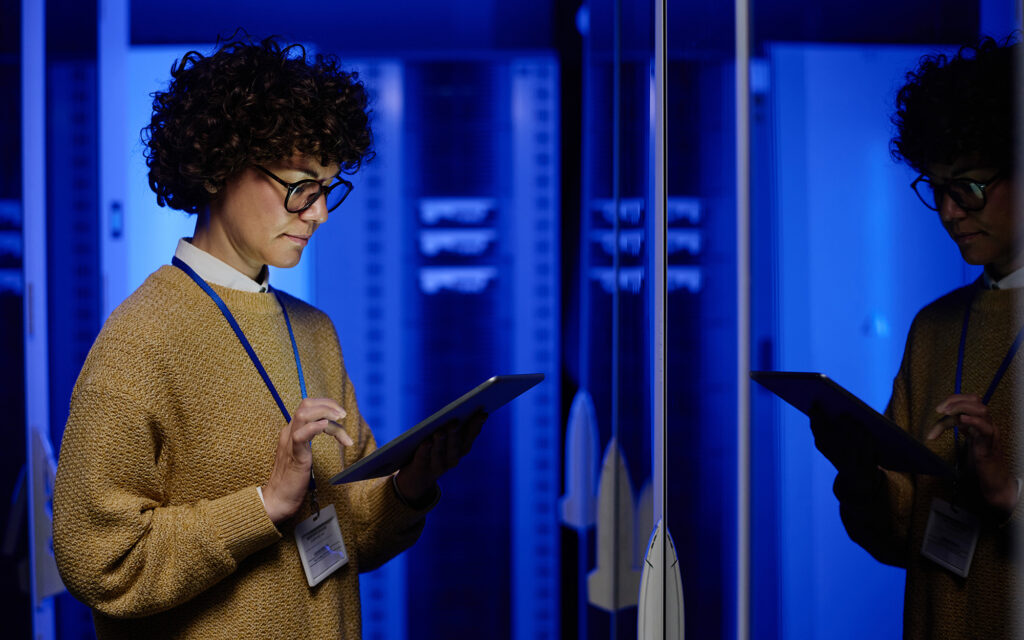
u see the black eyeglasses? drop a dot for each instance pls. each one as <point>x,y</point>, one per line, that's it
<point>302,194</point>
<point>969,195</point>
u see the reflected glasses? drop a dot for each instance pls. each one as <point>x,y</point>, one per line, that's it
<point>302,194</point>
<point>969,195</point>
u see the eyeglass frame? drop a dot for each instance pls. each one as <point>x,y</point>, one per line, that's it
<point>980,188</point>
<point>322,190</point>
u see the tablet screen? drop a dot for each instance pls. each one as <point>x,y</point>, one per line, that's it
<point>488,396</point>
<point>810,392</point>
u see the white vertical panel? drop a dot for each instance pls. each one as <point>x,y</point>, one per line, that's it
<point>112,50</point>
<point>37,385</point>
<point>150,232</point>
<point>138,235</point>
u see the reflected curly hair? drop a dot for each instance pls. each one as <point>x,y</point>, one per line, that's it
<point>958,106</point>
<point>250,103</point>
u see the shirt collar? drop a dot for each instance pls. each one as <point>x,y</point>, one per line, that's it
<point>216,271</point>
<point>1013,281</point>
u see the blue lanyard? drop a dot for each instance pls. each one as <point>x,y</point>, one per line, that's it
<point>245,342</point>
<point>999,372</point>
<point>252,353</point>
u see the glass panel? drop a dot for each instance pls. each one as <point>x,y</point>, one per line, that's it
<point>844,255</point>
<point>701,310</point>
<point>616,350</point>
<point>443,268</point>
<point>610,417</point>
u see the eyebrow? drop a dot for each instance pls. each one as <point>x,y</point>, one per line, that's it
<point>969,169</point>
<point>960,174</point>
<point>306,171</point>
<point>314,175</point>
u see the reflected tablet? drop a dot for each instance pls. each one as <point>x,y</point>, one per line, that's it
<point>488,397</point>
<point>808,392</point>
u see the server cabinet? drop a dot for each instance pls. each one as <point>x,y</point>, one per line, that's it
<point>441,270</point>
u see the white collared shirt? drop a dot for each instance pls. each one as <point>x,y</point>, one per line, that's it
<point>216,271</point>
<point>1013,281</point>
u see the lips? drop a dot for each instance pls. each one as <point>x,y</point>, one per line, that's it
<point>964,235</point>
<point>967,237</point>
<point>298,239</point>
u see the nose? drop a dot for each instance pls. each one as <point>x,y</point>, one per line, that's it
<point>316,212</point>
<point>949,210</point>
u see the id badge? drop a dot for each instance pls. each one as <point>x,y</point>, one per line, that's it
<point>950,537</point>
<point>321,547</point>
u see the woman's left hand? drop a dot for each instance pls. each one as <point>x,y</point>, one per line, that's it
<point>984,447</point>
<point>437,455</point>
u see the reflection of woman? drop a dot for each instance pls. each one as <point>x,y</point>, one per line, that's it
<point>958,386</point>
<point>178,491</point>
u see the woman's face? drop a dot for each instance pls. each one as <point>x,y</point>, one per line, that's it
<point>249,225</point>
<point>992,236</point>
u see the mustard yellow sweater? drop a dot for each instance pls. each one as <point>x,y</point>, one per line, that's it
<point>890,524</point>
<point>157,522</point>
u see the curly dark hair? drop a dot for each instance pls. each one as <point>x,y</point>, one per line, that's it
<point>250,103</point>
<point>958,106</point>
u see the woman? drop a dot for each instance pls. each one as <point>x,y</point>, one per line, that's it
<point>190,498</point>
<point>957,389</point>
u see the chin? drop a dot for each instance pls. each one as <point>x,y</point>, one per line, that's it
<point>286,262</point>
<point>975,258</point>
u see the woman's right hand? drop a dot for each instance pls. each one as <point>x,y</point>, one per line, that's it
<point>850,450</point>
<point>289,479</point>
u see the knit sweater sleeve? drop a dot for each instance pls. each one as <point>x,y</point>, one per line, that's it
<point>385,525</point>
<point>121,546</point>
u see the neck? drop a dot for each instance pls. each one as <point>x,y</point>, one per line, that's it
<point>213,241</point>
<point>1000,271</point>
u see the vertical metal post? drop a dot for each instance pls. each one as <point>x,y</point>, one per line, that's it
<point>37,383</point>
<point>659,282</point>
<point>1018,98</point>
<point>742,319</point>
<point>616,274</point>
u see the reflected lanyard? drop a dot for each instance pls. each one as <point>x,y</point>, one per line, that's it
<point>255,360</point>
<point>995,380</point>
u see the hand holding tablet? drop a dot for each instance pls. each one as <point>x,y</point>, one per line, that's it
<point>485,399</point>
<point>436,455</point>
<point>822,399</point>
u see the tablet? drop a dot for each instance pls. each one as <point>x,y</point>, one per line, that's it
<point>897,449</point>
<point>488,396</point>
